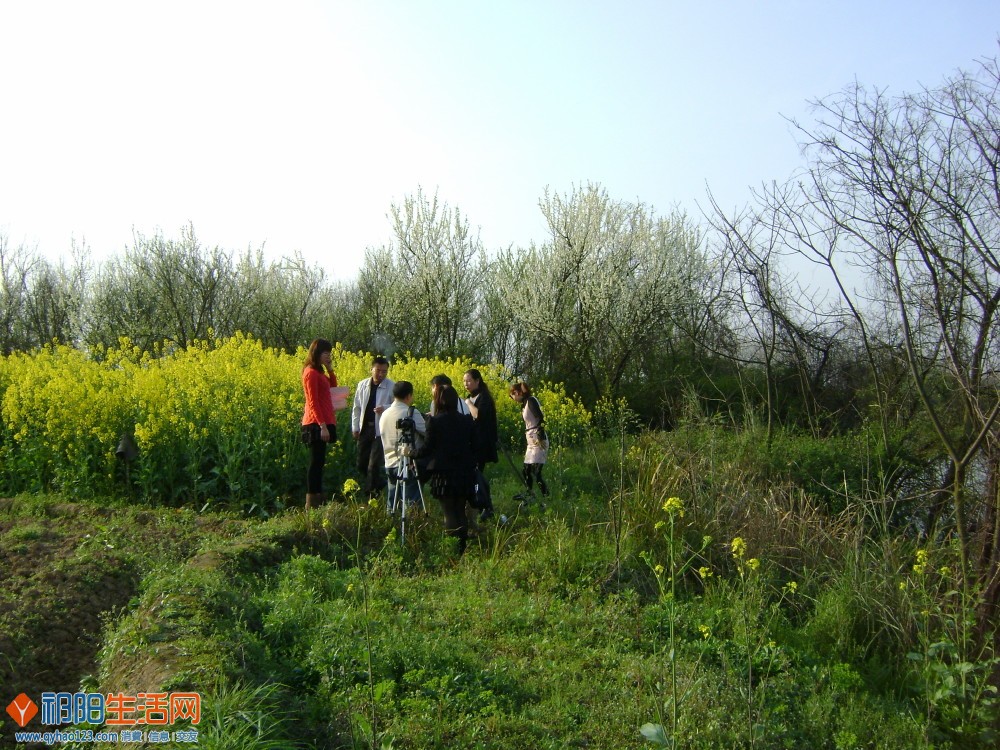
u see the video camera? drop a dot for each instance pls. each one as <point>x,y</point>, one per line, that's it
<point>407,429</point>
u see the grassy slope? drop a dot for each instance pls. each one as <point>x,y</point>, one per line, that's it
<point>551,631</point>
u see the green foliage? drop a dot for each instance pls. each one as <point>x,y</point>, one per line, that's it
<point>215,423</point>
<point>949,667</point>
<point>724,612</point>
<point>244,717</point>
<point>834,471</point>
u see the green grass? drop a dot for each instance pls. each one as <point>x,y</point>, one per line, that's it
<point>553,630</point>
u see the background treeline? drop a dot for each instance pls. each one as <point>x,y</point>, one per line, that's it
<point>861,294</point>
<point>617,302</point>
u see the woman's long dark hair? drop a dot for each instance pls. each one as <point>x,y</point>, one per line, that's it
<point>445,400</point>
<point>317,349</point>
<point>484,390</point>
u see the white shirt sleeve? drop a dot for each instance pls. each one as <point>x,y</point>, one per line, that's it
<point>360,399</point>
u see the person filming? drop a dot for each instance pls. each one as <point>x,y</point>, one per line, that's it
<point>401,425</point>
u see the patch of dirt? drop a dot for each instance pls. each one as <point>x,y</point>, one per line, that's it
<point>57,581</point>
<point>65,568</point>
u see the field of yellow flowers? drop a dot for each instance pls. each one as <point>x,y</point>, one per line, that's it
<point>215,423</point>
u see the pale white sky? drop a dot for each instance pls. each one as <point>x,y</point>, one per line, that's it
<point>297,124</point>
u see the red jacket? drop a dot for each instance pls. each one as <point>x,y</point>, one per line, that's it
<point>319,403</point>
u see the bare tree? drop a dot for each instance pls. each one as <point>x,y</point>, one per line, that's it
<point>914,183</point>
<point>792,327</point>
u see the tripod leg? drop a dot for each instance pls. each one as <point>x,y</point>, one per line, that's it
<point>390,499</point>
<point>402,520</point>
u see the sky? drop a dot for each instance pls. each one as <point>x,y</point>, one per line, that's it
<point>295,126</point>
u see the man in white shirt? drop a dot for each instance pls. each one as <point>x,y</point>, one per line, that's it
<point>394,438</point>
<point>372,397</point>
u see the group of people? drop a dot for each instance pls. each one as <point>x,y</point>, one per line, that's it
<point>398,446</point>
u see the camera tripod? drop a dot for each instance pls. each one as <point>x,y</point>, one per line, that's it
<point>402,494</point>
<point>527,498</point>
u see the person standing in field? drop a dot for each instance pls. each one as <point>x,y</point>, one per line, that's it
<point>372,397</point>
<point>393,439</point>
<point>534,433</point>
<point>483,409</point>
<point>451,447</point>
<point>319,420</point>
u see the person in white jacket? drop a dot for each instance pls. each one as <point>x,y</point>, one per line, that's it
<point>372,396</point>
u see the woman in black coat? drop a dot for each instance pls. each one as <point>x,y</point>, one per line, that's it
<point>451,446</point>
<point>483,409</point>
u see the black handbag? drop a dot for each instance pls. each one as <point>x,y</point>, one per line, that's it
<point>308,431</point>
<point>478,498</point>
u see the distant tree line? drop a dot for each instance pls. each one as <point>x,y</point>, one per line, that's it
<point>608,305</point>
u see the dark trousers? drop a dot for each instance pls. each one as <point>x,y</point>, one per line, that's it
<point>371,461</point>
<point>455,522</point>
<point>484,498</point>
<point>533,473</point>
<point>317,459</point>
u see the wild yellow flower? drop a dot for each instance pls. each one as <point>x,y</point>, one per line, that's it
<point>326,524</point>
<point>351,486</point>
<point>738,546</point>
<point>659,525</point>
<point>658,570</point>
<point>791,587</point>
<point>350,588</point>
<point>673,505</point>
<point>753,563</point>
<point>944,571</point>
<point>706,632</point>
<point>920,567</point>
<point>705,572</point>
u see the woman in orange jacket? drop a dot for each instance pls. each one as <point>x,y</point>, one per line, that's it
<point>319,421</point>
